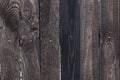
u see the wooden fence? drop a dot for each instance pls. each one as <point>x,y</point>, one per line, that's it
<point>59,40</point>
<point>90,39</point>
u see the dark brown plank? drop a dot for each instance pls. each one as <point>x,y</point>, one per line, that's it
<point>70,39</point>
<point>9,40</point>
<point>96,40</point>
<point>74,40</point>
<point>29,33</point>
<point>89,40</point>
<point>64,27</point>
<point>1,29</point>
<point>110,32</point>
<point>119,37</point>
<point>49,31</point>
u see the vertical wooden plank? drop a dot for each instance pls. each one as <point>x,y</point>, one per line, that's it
<point>86,41</point>
<point>89,40</point>
<point>70,39</point>
<point>9,55</point>
<point>74,57</point>
<point>96,40</point>
<point>1,30</point>
<point>110,32</point>
<point>118,39</point>
<point>29,33</point>
<point>64,28</point>
<point>49,27</point>
<point>118,70</point>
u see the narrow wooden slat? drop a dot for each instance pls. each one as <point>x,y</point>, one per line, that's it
<point>110,33</point>
<point>70,39</point>
<point>75,53</point>
<point>116,25</point>
<point>29,34</point>
<point>64,28</point>
<point>49,30</point>
<point>119,38</point>
<point>89,40</point>
<point>1,30</point>
<point>9,40</point>
<point>96,40</point>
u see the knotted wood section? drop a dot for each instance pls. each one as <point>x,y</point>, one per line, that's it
<point>29,39</point>
<point>9,15</point>
<point>110,48</point>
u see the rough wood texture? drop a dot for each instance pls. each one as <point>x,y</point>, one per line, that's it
<point>29,32</point>
<point>1,30</point>
<point>99,39</point>
<point>49,31</point>
<point>89,40</point>
<point>70,39</point>
<point>9,46</point>
<point>110,32</point>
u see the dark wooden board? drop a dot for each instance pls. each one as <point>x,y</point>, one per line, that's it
<point>9,40</point>
<point>110,47</point>
<point>49,38</point>
<point>60,39</point>
<point>98,57</point>
<point>29,39</point>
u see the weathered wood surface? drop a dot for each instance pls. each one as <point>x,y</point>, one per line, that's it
<point>29,33</point>
<point>49,36</point>
<point>110,38</point>
<point>69,39</point>
<point>1,27</point>
<point>9,48</point>
<point>99,36</point>
<point>89,40</point>
<point>88,32</point>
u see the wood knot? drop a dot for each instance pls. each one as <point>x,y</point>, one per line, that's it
<point>9,11</point>
<point>101,37</point>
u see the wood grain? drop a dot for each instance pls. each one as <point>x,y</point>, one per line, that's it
<point>70,39</point>
<point>89,40</point>
<point>99,39</point>
<point>29,33</point>
<point>9,41</point>
<point>49,31</point>
<point>110,32</point>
